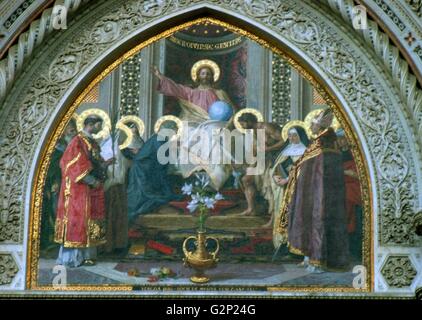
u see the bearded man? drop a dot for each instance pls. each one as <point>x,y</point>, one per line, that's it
<point>80,223</point>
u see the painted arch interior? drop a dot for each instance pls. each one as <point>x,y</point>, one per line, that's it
<point>144,210</point>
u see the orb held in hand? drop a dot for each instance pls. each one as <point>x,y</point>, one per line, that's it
<point>220,110</point>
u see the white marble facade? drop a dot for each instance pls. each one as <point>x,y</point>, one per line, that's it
<point>377,89</point>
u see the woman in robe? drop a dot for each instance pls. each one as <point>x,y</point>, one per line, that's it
<point>290,152</point>
<point>149,185</point>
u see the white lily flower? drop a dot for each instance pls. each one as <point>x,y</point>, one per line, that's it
<point>187,189</point>
<point>196,197</point>
<point>209,202</point>
<point>218,196</point>
<point>192,205</point>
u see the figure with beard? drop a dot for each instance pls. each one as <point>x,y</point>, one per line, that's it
<point>314,202</point>
<point>290,153</point>
<point>261,183</point>
<point>80,222</point>
<point>52,187</point>
<point>194,101</point>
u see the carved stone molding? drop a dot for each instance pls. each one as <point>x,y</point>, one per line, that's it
<point>389,53</point>
<point>369,102</point>
<point>38,30</point>
<point>359,81</point>
<point>398,271</point>
<point>419,294</point>
<point>415,6</point>
<point>418,223</point>
<point>8,269</point>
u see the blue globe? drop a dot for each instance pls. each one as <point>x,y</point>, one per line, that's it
<point>220,111</point>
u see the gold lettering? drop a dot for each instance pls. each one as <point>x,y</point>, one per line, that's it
<point>206,46</point>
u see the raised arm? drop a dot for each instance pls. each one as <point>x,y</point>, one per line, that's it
<point>168,87</point>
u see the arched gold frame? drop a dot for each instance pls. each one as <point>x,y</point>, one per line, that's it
<point>325,92</point>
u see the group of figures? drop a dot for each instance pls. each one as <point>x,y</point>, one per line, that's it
<point>98,184</point>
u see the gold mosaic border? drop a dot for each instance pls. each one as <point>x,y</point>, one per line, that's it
<point>325,92</point>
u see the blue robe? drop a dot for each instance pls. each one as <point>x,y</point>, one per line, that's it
<point>149,185</point>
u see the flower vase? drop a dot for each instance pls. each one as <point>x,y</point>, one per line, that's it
<point>200,259</point>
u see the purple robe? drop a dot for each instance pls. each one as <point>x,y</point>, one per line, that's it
<point>316,213</point>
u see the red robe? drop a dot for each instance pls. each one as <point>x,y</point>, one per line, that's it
<point>80,221</point>
<point>353,195</point>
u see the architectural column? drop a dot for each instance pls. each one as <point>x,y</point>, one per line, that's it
<point>281,90</point>
<point>145,90</point>
<point>301,96</point>
<point>136,83</point>
<point>259,70</point>
<point>130,79</point>
<point>158,58</point>
<point>115,88</point>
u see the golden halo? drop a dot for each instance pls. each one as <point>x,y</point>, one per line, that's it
<point>121,124</point>
<point>255,112</point>
<point>128,133</point>
<point>289,125</point>
<point>175,119</point>
<point>311,115</point>
<point>205,63</point>
<point>98,112</point>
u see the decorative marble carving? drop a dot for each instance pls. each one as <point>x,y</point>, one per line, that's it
<point>417,224</point>
<point>16,14</point>
<point>419,294</point>
<point>8,269</point>
<point>398,67</point>
<point>418,51</point>
<point>416,6</point>
<point>18,53</point>
<point>30,109</point>
<point>398,271</point>
<point>389,12</point>
<point>373,35</point>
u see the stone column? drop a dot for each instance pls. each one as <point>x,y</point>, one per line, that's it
<point>158,58</point>
<point>115,87</point>
<point>145,89</point>
<point>259,71</point>
<point>301,96</point>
